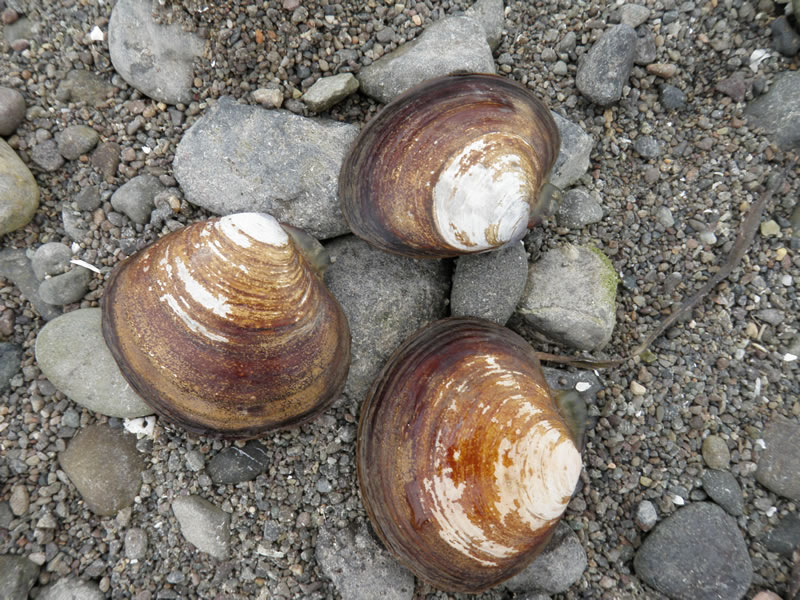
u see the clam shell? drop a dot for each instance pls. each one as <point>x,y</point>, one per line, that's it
<point>453,166</point>
<point>225,329</point>
<point>464,462</point>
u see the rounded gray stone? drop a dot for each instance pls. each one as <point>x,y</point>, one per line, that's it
<point>489,285</point>
<point>779,464</point>
<point>328,91</point>
<point>72,354</point>
<point>699,553</point>
<point>105,467</point>
<point>12,110</point>
<point>785,536</point>
<point>204,525</point>
<point>234,465</point>
<point>135,543</point>
<point>84,86</point>
<point>573,157</point>
<point>19,193</point>
<point>606,68</point>
<point>722,488</point>
<point>51,258</point>
<point>578,208</point>
<point>672,97</point>
<point>71,589</point>
<point>10,360</point>
<point>490,14</point>
<point>570,297</point>
<point>716,453</point>
<point>66,288</point>
<point>647,146</point>
<point>155,59</point>
<point>778,111</point>
<point>46,156</point>
<point>76,140</point>
<point>17,576</point>
<point>646,515</point>
<point>633,14</point>
<point>136,198</point>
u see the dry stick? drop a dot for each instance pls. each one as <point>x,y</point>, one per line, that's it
<point>744,238</point>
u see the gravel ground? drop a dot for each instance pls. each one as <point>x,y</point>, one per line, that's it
<point>720,372</point>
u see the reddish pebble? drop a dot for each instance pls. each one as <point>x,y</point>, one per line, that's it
<point>9,16</point>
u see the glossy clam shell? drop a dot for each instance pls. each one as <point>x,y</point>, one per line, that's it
<point>464,463</point>
<point>453,166</point>
<point>225,329</point>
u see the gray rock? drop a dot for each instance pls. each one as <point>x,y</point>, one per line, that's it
<point>76,140</point>
<point>647,146</point>
<point>722,488</point>
<point>489,285</point>
<point>105,159</point>
<point>606,68</point>
<point>74,226</point>
<point>105,467</point>
<point>234,465</point>
<point>779,464</point>
<point>633,14</point>
<point>698,552</point>
<point>155,59</point>
<point>12,111</point>
<point>778,111</point>
<point>578,208</point>
<point>10,360</point>
<point>672,98</point>
<point>490,14</point>
<point>51,258</point>
<point>18,30</point>
<point>561,563</point>
<point>386,298</point>
<point>646,515</point>
<point>16,266</point>
<point>664,216</point>
<point>72,354</point>
<point>785,39</point>
<point>735,86</point>
<point>71,589</point>
<point>66,288</point>
<point>328,91</point>
<point>573,158</point>
<point>447,46</point>
<point>17,576</point>
<point>6,516</point>
<point>135,543</point>
<point>716,452</point>
<point>19,193</point>
<point>204,525</point>
<point>243,158</point>
<point>136,198</point>
<point>20,500</point>
<point>785,537</point>
<point>645,51</point>
<point>46,156</point>
<point>359,568</point>
<point>84,86</point>
<point>88,198</point>
<point>773,316</point>
<point>570,297</point>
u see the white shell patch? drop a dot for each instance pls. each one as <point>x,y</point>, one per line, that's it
<point>243,228</point>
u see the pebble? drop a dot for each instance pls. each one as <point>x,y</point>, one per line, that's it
<point>72,354</point>
<point>88,198</point>
<point>66,288</point>
<point>663,70</point>
<point>573,157</point>
<point>489,285</point>
<point>328,91</point>
<point>16,266</point>
<point>17,576</point>
<point>646,51</point>
<point>12,110</point>
<point>447,46</point>
<point>46,156</point>
<point>10,360</point>
<point>784,38</point>
<point>637,389</point>
<point>155,59</point>
<point>556,569</point>
<point>105,159</point>
<point>785,536</point>
<point>76,140</point>
<point>776,111</point>
<point>268,97</point>
<point>19,193</point>
<point>735,86</point>
<point>647,146</point>
<point>242,158</point>
<point>633,14</point>
<point>135,543</point>
<point>664,216</point>
<point>672,98</point>
<point>770,228</point>
<point>578,208</point>
<point>697,552</point>
<point>368,283</point>
<point>137,197</point>
<point>570,297</point>
<point>234,465</point>
<point>19,501</point>
<point>204,525</point>
<point>607,66</point>
<point>84,86</point>
<point>51,258</point>
<point>646,515</point>
<point>716,453</point>
<point>359,568</point>
<point>490,14</point>
<point>71,589</point>
<point>773,316</point>
<point>722,488</point>
<point>105,467</point>
<point>779,464</point>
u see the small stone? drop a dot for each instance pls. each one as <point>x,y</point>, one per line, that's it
<point>578,208</point>
<point>573,157</point>
<point>664,216</point>
<point>607,66</point>
<point>51,258</point>
<point>195,460</point>
<point>734,86</point>
<point>19,193</point>
<point>105,159</point>
<point>770,228</point>
<point>560,68</point>
<point>633,14</point>
<point>105,467</point>
<point>779,464</point>
<point>647,146</point>
<point>66,288</point>
<point>268,97</point>
<point>88,198</point>
<point>135,544</point>
<point>84,86</point>
<point>646,51</point>
<point>46,156</point>
<point>17,576</point>
<point>672,98</point>
<point>637,389</point>
<point>785,536</point>
<point>722,488</point>
<point>234,465</point>
<point>16,267</point>
<point>136,198</point>
<point>12,110</point>
<point>663,70</point>
<point>773,316</point>
<point>785,39</point>
<point>490,14</point>
<point>76,140</point>
<point>765,595</point>
<point>19,500</point>
<point>204,525</point>
<point>716,453</point>
<point>328,91</point>
<point>646,515</point>
<point>71,589</point>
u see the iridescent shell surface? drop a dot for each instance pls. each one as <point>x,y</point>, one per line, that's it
<point>225,329</point>
<point>453,166</point>
<point>464,462</point>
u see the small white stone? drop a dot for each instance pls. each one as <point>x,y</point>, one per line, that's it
<point>789,357</point>
<point>96,34</point>
<point>637,389</point>
<point>678,500</point>
<point>141,427</point>
<point>582,386</point>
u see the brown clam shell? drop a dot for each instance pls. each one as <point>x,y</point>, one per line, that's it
<point>225,329</point>
<point>464,462</point>
<point>453,166</point>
